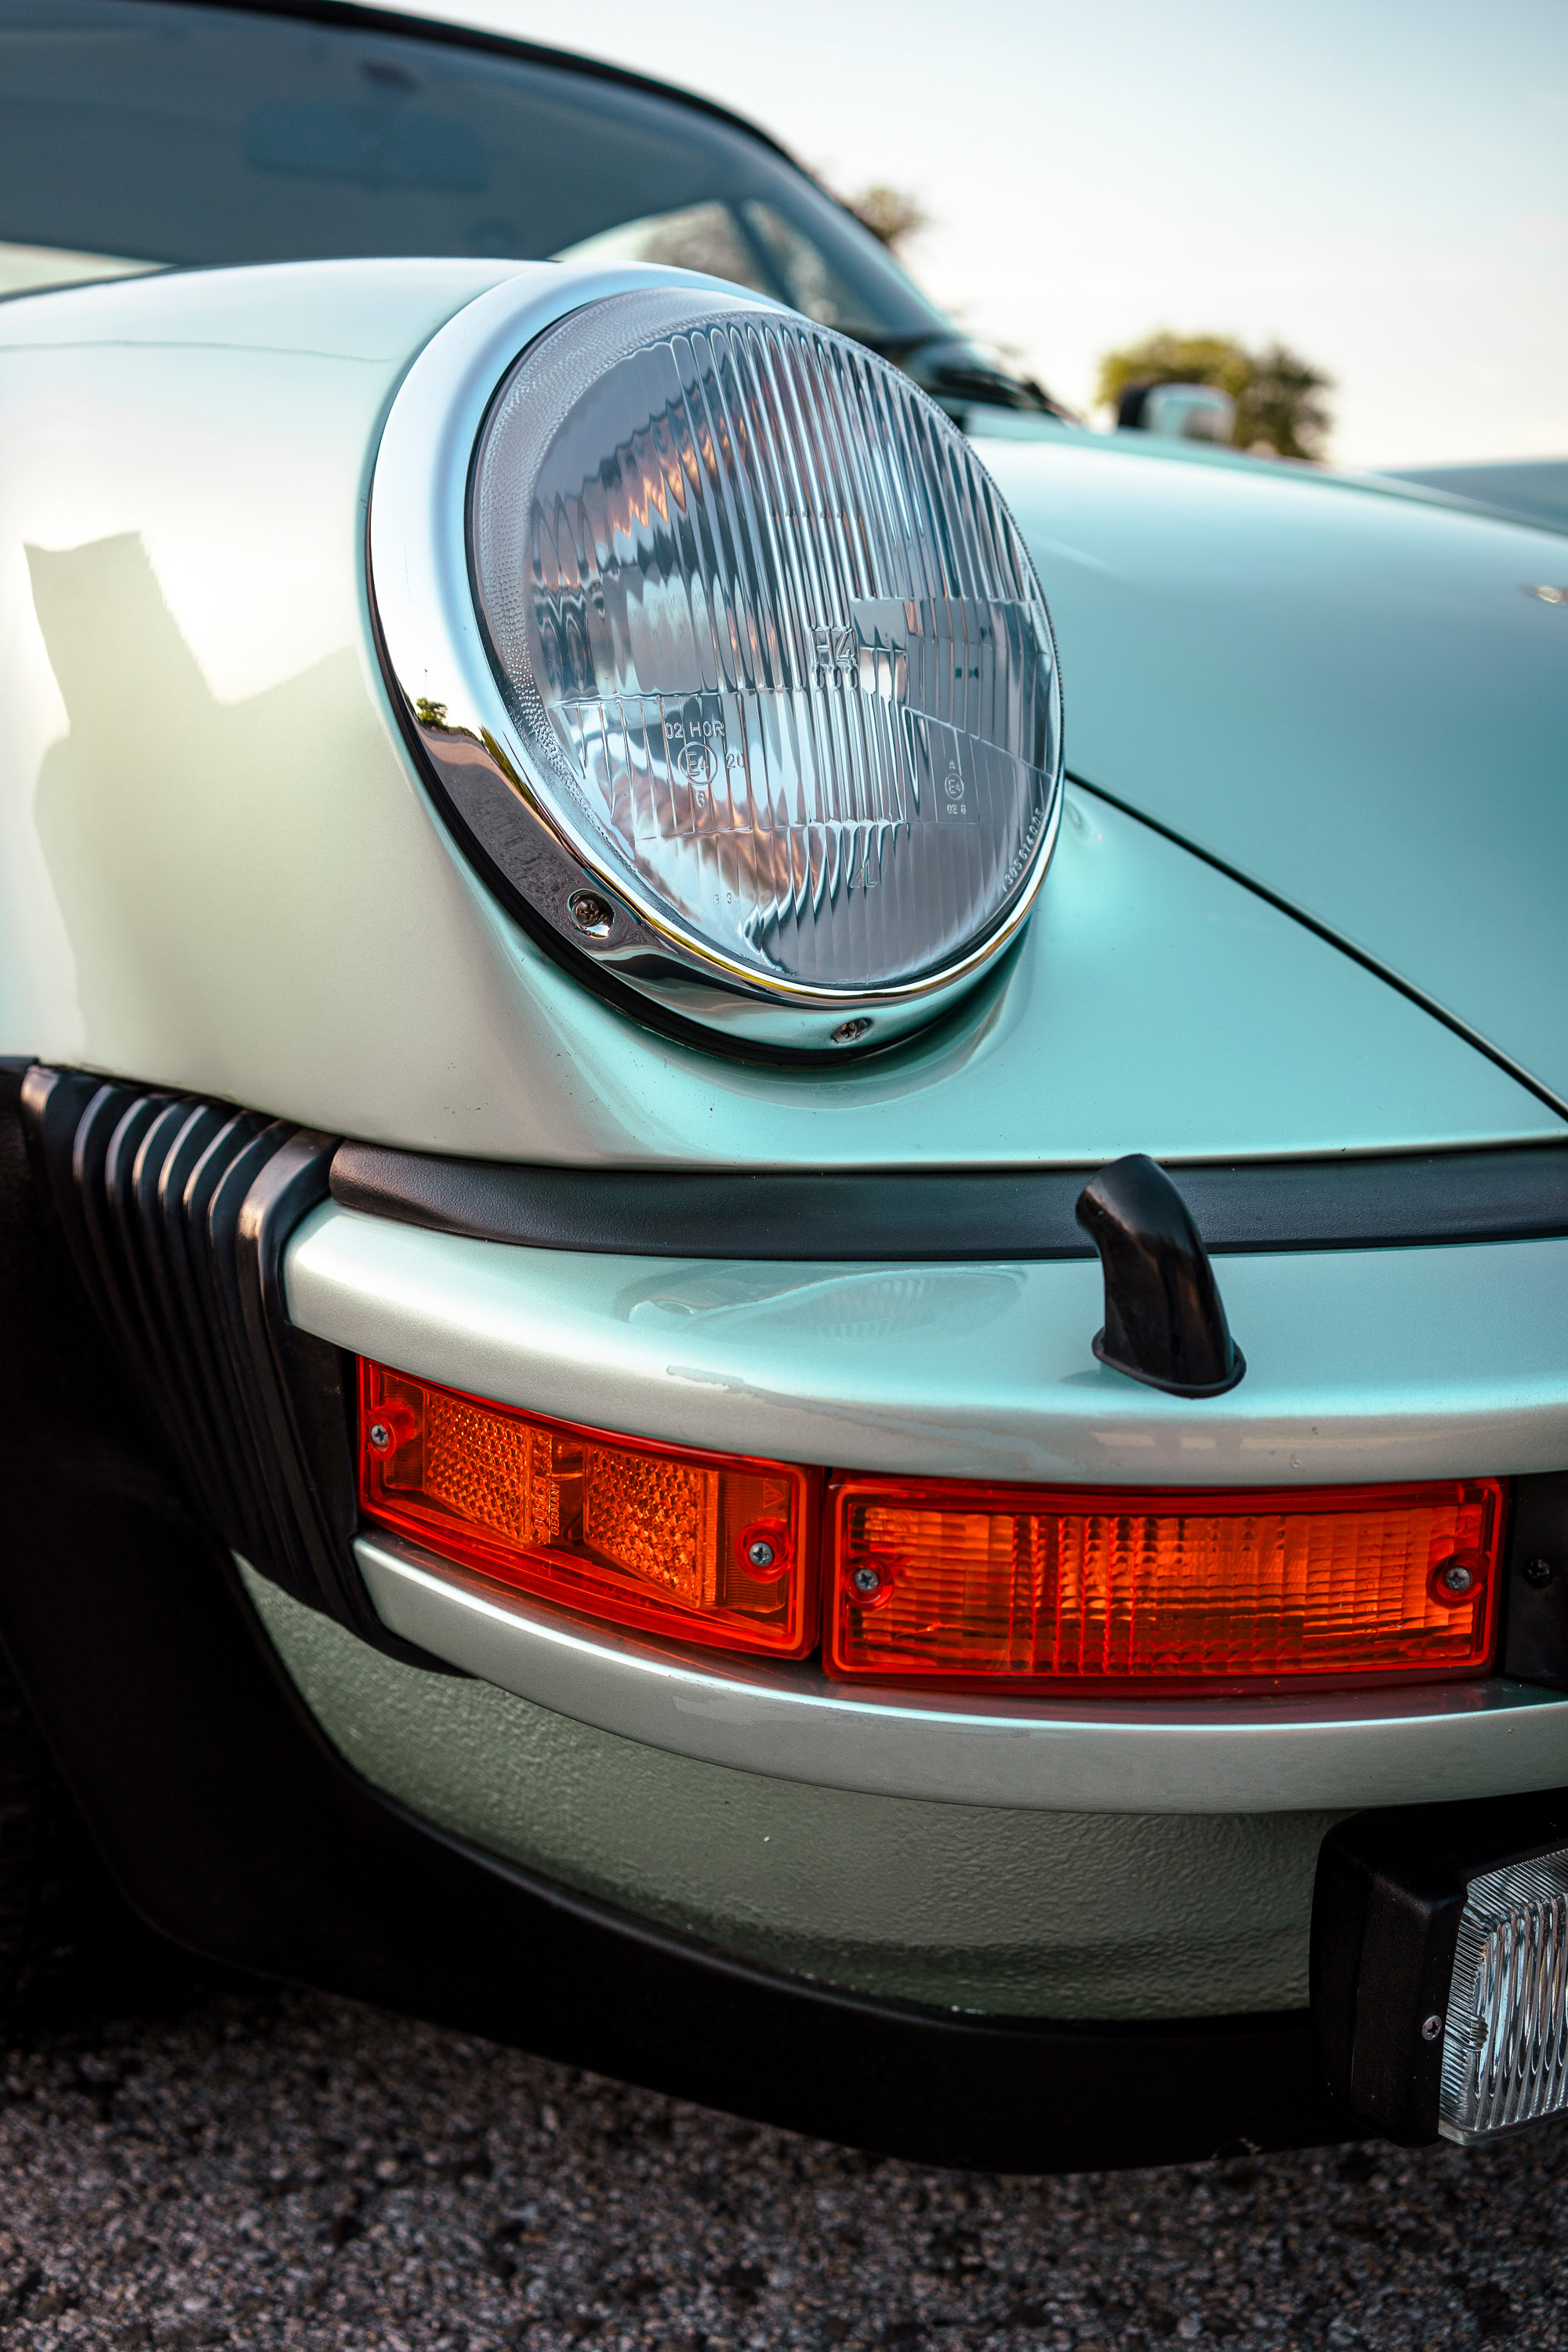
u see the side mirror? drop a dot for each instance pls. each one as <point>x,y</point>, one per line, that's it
<point>1178,412</point>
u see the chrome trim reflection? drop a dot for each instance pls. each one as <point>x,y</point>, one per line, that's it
<point>1388,1747</point>
<point>423,604</point>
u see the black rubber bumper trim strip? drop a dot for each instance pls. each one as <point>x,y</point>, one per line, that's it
<point>1509,1194</point>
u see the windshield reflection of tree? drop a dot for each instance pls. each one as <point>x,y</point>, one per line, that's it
<point>750,244</point>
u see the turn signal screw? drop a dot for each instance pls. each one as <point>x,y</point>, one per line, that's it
<point>379,1435</point>
<point>764,1549</point>
<point>866,1579</point>
<point>1457,1576</point>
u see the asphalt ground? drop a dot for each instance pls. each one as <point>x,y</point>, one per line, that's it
<point>191,2160</point>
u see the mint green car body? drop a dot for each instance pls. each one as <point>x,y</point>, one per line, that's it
<point>1310,900</point>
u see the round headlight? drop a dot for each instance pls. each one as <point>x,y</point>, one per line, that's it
<point>765,718</point>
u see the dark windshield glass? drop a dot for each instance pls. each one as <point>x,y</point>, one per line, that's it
<point>138,132</point>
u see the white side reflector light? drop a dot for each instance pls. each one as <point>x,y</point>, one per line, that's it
<point>1505,2040</point>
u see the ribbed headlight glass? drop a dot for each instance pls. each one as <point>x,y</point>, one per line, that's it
<point>772,640</point>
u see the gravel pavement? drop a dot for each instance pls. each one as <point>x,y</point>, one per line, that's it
<point>192,2160</point>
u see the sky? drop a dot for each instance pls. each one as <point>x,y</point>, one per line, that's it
<point>1383,184</point>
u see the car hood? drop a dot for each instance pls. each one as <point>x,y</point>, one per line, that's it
<point>1352,698</point>
<point>220,871</point>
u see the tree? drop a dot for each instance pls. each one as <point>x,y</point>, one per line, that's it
<point>891,215</point>
<point>1282,406</point>
<point>1277,394</point>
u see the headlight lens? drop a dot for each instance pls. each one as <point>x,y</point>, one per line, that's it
<point>771,642</point>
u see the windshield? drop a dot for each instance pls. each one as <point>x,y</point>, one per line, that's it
<point>136,132</point>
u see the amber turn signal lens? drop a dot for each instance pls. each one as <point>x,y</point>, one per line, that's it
<point>936,1581</point>
<point>708,1548</point>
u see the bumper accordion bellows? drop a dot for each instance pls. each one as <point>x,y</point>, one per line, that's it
<point>176,1213</point>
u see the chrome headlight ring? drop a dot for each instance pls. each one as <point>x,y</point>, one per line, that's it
<point>499,754</point>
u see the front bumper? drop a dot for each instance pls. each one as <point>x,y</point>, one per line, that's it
<point>270,1848</point>
<point>1363,1364</point>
